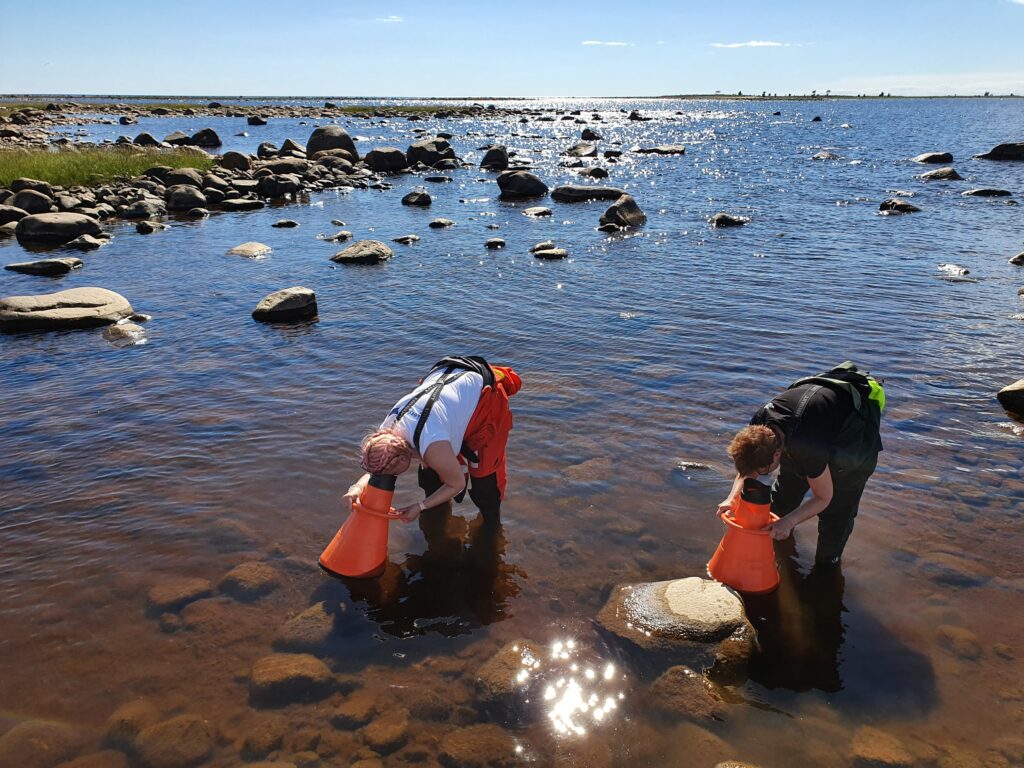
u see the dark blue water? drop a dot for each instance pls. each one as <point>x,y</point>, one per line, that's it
<point>121,466</point>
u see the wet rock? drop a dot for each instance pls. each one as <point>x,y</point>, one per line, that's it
<point>624,212</point>
<point>38,744</point>
<point>227,534</point>
<point>284,678</point>
<point>406,239</point>
<point>357,710</point>
<point>149,227</point>
<point>187,177</point>
<point>941,174</point>
<point>73,308</point>
<point>897,205</point>
<point>491,244</point>
<point>693,620</point>
<point>551,254</point>
<point>255,120</point>
<point>594,173</point>
<point>180,742</point>
<point>8,229</point>
<point>425,703</point>
<point>331,137</point>
<point>250,250</point>
<point>681,691</point>
<point>438,179</point>
<point>952,570</point>
<point>183,197</point>
<point>664,149</point>
<point>31,201</point>
<point>430,152</point>
<point>520,185</point>
<point>236,161</point>
<point>1011,397</point>
<point>174,594</point>
<point>987,192</point>
<point>503,683</point>
<point>873,748</point>
<point>578,193</point>
<point>537,211</point>
<point>590,135</point>
<point>1004,651</point>
<point>285,224</point>
<point>1005,152</point>
<point>441,224</point>
<point>387,732</point>
<point>288,304</point>
<point>54,228</point>
<point>636,116</point>
<point>363,252</point>
<point>338,237</point>
<point>546,245</point>
<point>85,243</point>
<point>1018,260</point>
<point>417,198</point>
<point>9,213</point>
<point>263,736</point>
<point>47,267</point>
<point>825,155</point>
<point>124,334</point>
<point>144,209</point>
<point>960,642</point>
<point>583,149</point>
<point>279,186</point>
<point>936,158</point>
<point>108,758</point>
<point>308,632</point>
<point>127,722</point>
<point>722,220</point>
<point>495,159</point>
<point>478,746</point>
<point>386,160</point>
<point>254,579</point>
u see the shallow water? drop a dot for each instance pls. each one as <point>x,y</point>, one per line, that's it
<point>123,467</point>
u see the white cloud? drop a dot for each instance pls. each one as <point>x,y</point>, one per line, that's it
<point>754,44</point>
<point>605,42</point>
<point>960,83</point>
<point>389,19</point>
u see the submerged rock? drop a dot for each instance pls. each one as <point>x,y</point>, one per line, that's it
<point>952,570</point>
<point>624,212</point>
<point>127,722</point>
<point>551,254</point>
<point>479,746</point>
<point>296,303</point>
<point>441,224</point>
<point>897,205</point>
<point>54,228</point>
<point>73,308</point>
<point>388,732</point>
<point>1012,152</point>
<point>284,678</point>
<point>577,193</point>
<point>987,192</point>
<point>936,158</point>
<point>722,220</point>
<point>1011,397</point>
<point>86,243</point>
<point>175,594</point>
<point>149,227</point>
<point>959,641</point>
<point>180,742</point>
<point>107,758</point>
<point>308,632</point>
<point>358,709</point>
<point>254,579</point>
<point>874,748</point>
<point>501,686</point>
<point>46,267</point>
<point>39,744</point>
<point>681,691</point>
<point>941,174</point>
<point>664,149</point>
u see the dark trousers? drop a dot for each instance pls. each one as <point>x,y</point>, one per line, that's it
<point>482,490</point>
<point>835,523</point>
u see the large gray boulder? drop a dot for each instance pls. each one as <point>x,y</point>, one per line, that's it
<point>9,213</point>
<point>1011,397</point>
<point>189,176</point>
<point>207,137</point>
<point>279,186</point>
<point>294,165</point>
<point>31,201</point>
<point>897,205</point>
<point>624,212</point>
<point>520,185</point>
<point>495,159</point>
<point>582,149</point>
<point>43,187</point>
<point>288,304</point>
<point>1012,151</point>
<point>430,152</point>
<point>386,160</point>
<point>330,137</point>
<point>184,197</point>
<point>74,308</point>
<point>145,209</point>
<point>578,193</point>
<point>236,161</point>
<point>363,252</point>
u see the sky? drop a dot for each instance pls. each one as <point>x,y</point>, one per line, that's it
<point>507,49</point>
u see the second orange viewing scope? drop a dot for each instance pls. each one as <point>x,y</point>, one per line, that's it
<point>745,558</point>
<point>360,548</point>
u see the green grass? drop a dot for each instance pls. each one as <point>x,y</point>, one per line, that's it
<point>91,166</point>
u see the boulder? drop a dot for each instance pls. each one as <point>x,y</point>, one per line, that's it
<point>125,334</point>
<point>387,732</point>
<point>144,209</point>
<point>309,632</point>
<point>941,174</point>
<point>537,211</point>
<point>86,243</point>
<point>250,250</point>
<point>664,149</point>
<point>23,183</point>
<point>284,678</point>
<point>935,158</point>
<point>174,594</point>
<point>38,744</point>
<point>987,192</point>
<point>693,620</point>
<point>31,201</point>
<point>722,220</point>
<point>330,137</point>
<point>266,149</point>
<point>207,137</point>
<point>278,186</point>
<point>441,224</point>
<point>256,120</point>
<point>590,135</point>
<point>544,245</point>
<point>897,205</point>
<point>582,149</point>
<point>491,244</point>
<point>184,197</point>
<point>177,139</point>
<point>479,746</point>
<point>180,742</point>
<point>502,688</point>
<point>594,173</point>
<point>520,185</point>
<point>952,570</point>
<point>551,254</point>
<point>254,579</point>
<point>292,147</point>
<point>46,267</point>
<point>495,159</point>
<point>189,176</point>
<point>363,252</point>
<point>54,228</point>
<point>406,239</point>
<point>358,709</point>
<point>681,691</point>
<point>292,165</point>
<point>236,161</point>
<point>1005,152</point>
<point>1011,397</point>
<point>386,160</point>
<point>338,237</point>
<point>108,758</point>
<point>578,193</point>
<point>430,152</point>
<point>285,224</point>
<point>73,308</point>
<point>417,198</point>
<point>624,212</point>
<point>241,204</point>
<point>146,140</point>
<point>874,748</point>
<point>825,155</point>
<point>9,213</point>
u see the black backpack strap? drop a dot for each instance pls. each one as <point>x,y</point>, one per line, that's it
<point>431,392</point>
<point>472,363</point>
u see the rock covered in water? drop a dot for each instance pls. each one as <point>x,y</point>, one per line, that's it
<point>1013,151</point>
<point>248,581</point>
<point>987,192</point>
<point>1011,397</point>
<point>387,732</point>
<point>694,620</point>
<point>479,746</point>
<point>494,243</point>
<point>308,632</point>
<point>941,174</point>
<point>418,198</point>
<point>284,678</point>
<point>39,744</point>
<point>680,690</point>
<point>722,220</point>
<point>175,594</point>
<point>664,149</point>
<point>503,683</point>
<point>874,748</point>
<point>180,742</point>
<point>73,308</point>
<point>577,193</point>
<point>250,250</point>
<point>358,709</point>
<point>46,267</point>
<point>495,159</point>
<point>520,185</point>
<point>959,641</point>
<point>125,334</point>
<point>54,228</point>
<point>127,722</point>
<point>107,758</point>
<point>935,158</point>
<point>295,303</point>
<point>330,137</point>
<point>897,205</point>
<point>441,224</point>
<point>363,252</point>
<point>624,212</point>
<point>952,570</point>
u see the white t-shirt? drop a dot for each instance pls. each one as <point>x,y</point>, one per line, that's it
<point>450,415</point>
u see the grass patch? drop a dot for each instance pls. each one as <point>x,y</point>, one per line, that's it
<point>93,165</point>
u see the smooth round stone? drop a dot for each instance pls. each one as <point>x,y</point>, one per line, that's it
<point>441,223</point>
<point>551,254</point>
<point>283,678</point>
<point>46,267</point>
<point>494,243</point>
<point>74,308</point>
<point>251,250</point>
<point>296,303</point>
<point>363,252</point>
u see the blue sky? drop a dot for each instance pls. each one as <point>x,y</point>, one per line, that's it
<point>525,48</point>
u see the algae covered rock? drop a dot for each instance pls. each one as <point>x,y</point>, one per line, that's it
<point>308,632</point>
<point>39,744</point>
<point>503,683</point>
<point>174,594</point>
<point>251,580</point>
<point>681,691</point>
<point>180,742</point>
<point>479,746</point>
<point>284,678</point>
<point>127,722</point>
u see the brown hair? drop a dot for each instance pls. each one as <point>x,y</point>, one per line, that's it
<point>385,452</point>
<point>753,448</point>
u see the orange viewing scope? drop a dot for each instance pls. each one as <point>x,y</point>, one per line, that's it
<point>360,548</point>
<point>745,558</point>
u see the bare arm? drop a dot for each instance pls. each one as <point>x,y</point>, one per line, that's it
<point>441,458</point>
<point>821,496</point>
<point>354,492</point>
<point>737,487</point>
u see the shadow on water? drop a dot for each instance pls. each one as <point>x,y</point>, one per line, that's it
<point>812,638</point>
<point>458,584</point>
